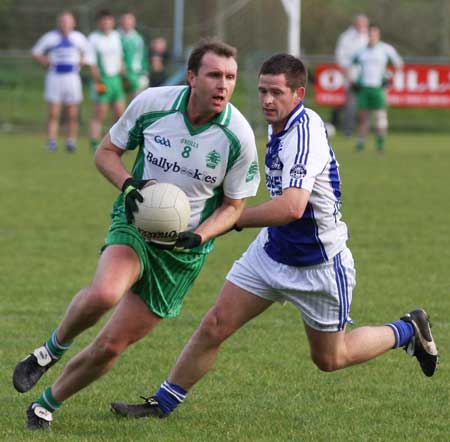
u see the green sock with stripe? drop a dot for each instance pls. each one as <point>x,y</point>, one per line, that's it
<point>56,348</point>
<point>94,144</point>
<point>47,401</point>
<point>380,142</point>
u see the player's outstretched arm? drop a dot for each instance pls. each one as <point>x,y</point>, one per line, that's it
<point>222,219</point>
<point>281,210</point>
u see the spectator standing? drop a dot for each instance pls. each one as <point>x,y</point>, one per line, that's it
<point>134,55</point>
<point>371,85</point>
<point>63,51</point>
<point>107,73</point>
<point>158,58</point>
<point>352,40</point>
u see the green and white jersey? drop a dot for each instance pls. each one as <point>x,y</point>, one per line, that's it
<point>215,160</point>
<point>134,52</point>
<point>374,61</point>
<point>108,50</point>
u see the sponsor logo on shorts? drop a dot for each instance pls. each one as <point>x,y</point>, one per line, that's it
<point>175,167</point>
<point>298,171</point>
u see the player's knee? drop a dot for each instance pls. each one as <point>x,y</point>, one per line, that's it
<point>213,329</point>
<point>104,350</point>
<point>327,363</point>
<point>101,299</point>
<point>381,120</point>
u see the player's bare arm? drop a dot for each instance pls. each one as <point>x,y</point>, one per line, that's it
<point>109,162</point>
<point>42,60</point>
<point>287,207</point>
<point>95,73</point>
<point>222,219</point>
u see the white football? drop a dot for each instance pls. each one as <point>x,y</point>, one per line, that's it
<point>163,214</point>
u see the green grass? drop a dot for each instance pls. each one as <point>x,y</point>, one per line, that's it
<point>263,387</point>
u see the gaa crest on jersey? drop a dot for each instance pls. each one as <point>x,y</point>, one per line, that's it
<point>213,159</point>
<point>298,171</point>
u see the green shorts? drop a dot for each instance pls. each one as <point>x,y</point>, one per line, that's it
<point>136,82</point>
<point>371,98</point>
<point>165,277</point>
<point>114,90</point>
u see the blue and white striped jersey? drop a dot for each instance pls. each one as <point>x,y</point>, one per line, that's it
<point>65,53</point>
<point>300,156</point>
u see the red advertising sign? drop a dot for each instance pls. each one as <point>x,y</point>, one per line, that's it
<point>416,85</point>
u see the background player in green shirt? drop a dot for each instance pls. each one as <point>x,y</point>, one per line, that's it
<point>107,89</point>
<point>371,85</point>
<point>134,55</point>
<point>190,136</point>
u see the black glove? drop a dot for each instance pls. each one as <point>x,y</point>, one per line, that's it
<point>187,240</point>
<point>131,195</point>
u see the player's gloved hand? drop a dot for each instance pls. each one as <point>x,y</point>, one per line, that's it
<point>187,240</point>
<point>100,88</point>
<point>131,195</point>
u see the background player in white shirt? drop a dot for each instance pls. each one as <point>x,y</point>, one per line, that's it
<point>187,135</point>
<point>107,88</point>
<point>63,51</point>
<point>301,258</point>
<point>373,79</point>
<point>349,42</point>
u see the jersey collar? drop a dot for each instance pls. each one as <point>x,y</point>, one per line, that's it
<point>180,105</point>
<point>296,114</point>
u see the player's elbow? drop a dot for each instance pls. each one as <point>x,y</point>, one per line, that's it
<point>294,212</point>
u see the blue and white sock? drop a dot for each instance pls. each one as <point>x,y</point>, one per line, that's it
<point>403,332</point>
<point>169,396</point>
<point>51,144</point>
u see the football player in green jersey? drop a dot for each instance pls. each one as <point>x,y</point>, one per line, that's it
<point>193,137</point>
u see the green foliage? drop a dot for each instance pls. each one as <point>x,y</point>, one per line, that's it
<point>263,387</point>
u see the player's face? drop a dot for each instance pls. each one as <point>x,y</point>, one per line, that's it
<point>213,85</point>
<point>66,23</point>
<point>374,36</point>
<point>128,22</point>
<point>106,24</point>
<point>277,99</point>
<point>361,24</point>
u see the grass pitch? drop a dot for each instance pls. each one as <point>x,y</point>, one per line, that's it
<point>55,212</point>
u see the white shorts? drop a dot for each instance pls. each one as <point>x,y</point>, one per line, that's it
<point>322,293</point>
<point>63,88</point>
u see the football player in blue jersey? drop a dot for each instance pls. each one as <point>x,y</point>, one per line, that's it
<point>300,256</point>
<point>63,51</point>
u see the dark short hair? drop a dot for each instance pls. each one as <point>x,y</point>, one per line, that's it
<point>292,67</point>
<point>209,45</point>
<point>103,13</point>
